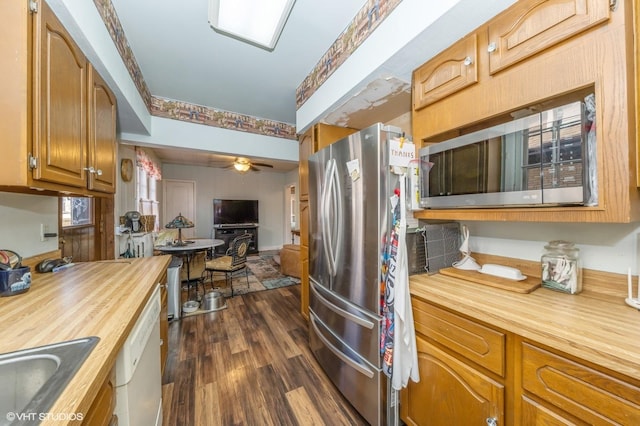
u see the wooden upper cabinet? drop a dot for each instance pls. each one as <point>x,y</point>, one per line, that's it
<point>314,139</point>
<point>58,117</point>
<point>546,52</point>
<point>532,26</point>
<point>102,135</point>
<point>60,106</point>
<point>304,150</point>
<point>450,71</point>
<point>326,134</point>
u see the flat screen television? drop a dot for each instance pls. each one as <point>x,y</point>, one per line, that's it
<point>235,212</point>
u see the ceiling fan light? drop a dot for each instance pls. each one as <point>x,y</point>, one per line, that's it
<point>258,22</point>
<point>241,167</point>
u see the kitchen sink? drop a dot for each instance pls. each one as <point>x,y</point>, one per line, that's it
<point>33,379</point>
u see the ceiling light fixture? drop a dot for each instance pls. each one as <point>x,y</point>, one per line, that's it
<point>258,22</point>
<point>241,166</point>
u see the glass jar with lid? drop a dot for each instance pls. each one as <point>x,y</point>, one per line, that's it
<point>561,268</point>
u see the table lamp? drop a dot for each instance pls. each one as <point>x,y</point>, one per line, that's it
<point>180,222</point>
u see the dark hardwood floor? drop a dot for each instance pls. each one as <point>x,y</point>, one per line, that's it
<point>249,364</point>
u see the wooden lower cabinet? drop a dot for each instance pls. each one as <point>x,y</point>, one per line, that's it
<point>304,258</point>
<point>461,382</point>
<point>164,324</point>
<point>450,392</point>
<point>101,411</point>
<point>534,413</point>
<point>456,358</point>
<point>569,391</point>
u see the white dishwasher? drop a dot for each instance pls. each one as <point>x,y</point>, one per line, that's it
<point>138,377</point>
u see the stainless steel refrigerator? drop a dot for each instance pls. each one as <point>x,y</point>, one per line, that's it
<point>349,188</point>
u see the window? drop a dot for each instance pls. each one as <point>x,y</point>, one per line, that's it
<point>148,174</point>
<point>77,211</point>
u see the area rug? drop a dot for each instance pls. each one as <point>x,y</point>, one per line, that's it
<point>263,273</point>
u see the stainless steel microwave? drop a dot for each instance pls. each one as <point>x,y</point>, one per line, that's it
<point>547,158</point>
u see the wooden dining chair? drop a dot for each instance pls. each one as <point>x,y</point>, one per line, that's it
<point>233,261</point>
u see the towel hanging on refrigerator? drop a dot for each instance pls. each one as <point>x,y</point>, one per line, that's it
<point>400,352</point>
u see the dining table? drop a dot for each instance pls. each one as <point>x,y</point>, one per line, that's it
<point>187,250</point>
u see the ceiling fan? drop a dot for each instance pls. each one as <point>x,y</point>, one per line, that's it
<point>243,165</point>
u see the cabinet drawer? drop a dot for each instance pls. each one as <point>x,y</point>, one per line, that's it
<point>474,341</point>
<point>584,392</point>
<point>536,414</point>
<point>531,26</point>
<point>451,71</point>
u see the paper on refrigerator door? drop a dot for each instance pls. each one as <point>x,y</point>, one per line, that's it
<point>401,152</point>
<point>353,167</point>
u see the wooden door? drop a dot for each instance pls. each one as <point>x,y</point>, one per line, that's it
<point>532,26</point>
<point>450,392</point>
<point>60,105</point>
<point>92,241</point>
<point>449,72</point>
<point>179,197</point>
<point>102,135</point>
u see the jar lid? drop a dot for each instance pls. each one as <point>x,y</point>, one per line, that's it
<point>561,245</point>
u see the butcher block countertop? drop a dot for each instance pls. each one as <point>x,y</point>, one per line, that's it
<point>595,325</point>
<point>102,299</point>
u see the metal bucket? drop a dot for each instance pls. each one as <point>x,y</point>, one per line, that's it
<point>213,301</point>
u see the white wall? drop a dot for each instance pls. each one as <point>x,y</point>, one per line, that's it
<point>21,219</point>
<point>266,187</point>
<point>604,247</point>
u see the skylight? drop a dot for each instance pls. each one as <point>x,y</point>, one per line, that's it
<point>258,22</point>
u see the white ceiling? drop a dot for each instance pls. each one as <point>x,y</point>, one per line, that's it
<point>181,57</point>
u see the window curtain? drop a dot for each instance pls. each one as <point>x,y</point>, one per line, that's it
<point>148,165</point>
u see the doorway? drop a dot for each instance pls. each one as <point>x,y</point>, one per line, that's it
<point>291,215</point>
<point>179,197</point>
<point>86,228</point>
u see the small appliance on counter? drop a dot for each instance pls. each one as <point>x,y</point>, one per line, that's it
<point>132,221</point>
<point>14,278</point>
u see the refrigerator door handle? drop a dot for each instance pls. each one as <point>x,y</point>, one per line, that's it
<point>353,364</point>
<point>338,224</point>
<point>340,311</point>
<point>328,204</point>
<point>326,243</point>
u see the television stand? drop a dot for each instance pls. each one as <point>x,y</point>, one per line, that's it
<point>227,233</point>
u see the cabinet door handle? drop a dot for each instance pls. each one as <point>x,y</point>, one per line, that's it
<point>492,47</point>
<point>93,170</point>
<point>468,61</point>
<point>492,421</point>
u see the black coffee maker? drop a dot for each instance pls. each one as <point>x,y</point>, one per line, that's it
<point>132,221</point>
